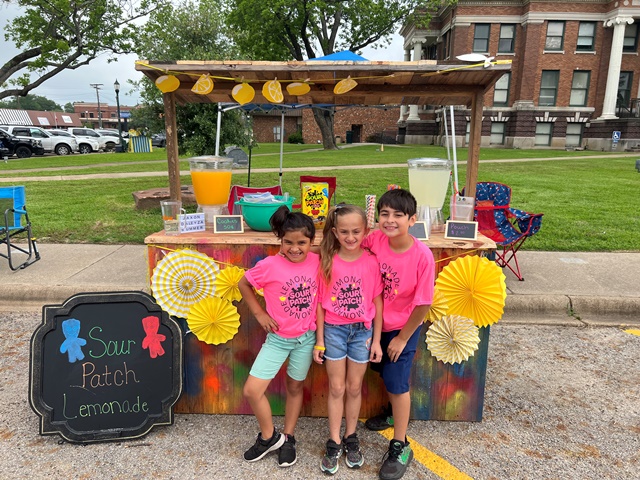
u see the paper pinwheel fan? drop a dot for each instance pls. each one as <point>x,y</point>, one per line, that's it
<point>227,283</point>
<point>181,279</point>
<point>214,320</point>
<point>439,307</point>
<point>475,288</point>
<point>453,339</point>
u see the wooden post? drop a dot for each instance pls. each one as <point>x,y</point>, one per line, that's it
<point>171,130</point>
<point>475,134</point>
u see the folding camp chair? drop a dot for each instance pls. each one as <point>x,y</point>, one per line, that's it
<point>238,191</point>
<point>330,181</point>
<point>16,224</point>
<point>508,227</point>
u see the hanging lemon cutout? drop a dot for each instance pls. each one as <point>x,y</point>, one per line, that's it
<point>343,86</point>
<point>298,88</point>
<point>203,86</point>
<point>167,83</point>
<point>272,91</point>
<point>243,93</point>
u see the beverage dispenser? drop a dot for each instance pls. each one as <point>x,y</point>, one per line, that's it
<point>428,182</point>
<point>211,179</point>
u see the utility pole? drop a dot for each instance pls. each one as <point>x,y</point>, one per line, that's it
<point>97,87</point>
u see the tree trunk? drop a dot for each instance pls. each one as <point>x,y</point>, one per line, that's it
<point>324,119</point>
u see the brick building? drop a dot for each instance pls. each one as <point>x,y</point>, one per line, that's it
<point>88,113</point>
<point>364,123</point>
<point>574,78</point>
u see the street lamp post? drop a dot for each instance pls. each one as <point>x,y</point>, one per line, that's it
<point>116,87</point>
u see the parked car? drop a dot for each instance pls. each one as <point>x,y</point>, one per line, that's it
<point>159,140</point>
<point>50,142</point>
<point>111,132</point>
<point>85,144</point>
<point>105,143</point>
<point>20,147</point>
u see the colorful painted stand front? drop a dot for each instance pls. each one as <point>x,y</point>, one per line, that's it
<point>215,374</point>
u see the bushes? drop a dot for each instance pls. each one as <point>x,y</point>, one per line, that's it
<point>295,138</point>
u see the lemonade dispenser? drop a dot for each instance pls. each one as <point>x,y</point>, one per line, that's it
<point>428,182</point>
<point>211,179</point>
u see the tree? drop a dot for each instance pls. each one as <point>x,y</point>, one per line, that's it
<point>190,29</point>
<point>54,36</point>
<point>68,107</point>
<point>306,29</point>
<point>31,102</point>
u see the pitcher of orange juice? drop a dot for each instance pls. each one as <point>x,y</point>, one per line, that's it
<point>211,178</point>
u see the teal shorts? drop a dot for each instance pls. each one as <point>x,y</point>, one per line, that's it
<point>275,351</point>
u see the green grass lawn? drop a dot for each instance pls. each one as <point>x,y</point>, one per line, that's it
<point>588,202</point>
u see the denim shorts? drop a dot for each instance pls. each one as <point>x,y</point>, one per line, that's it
<point>396,375</point>
<point>352,341</point>
<point>275,351</point>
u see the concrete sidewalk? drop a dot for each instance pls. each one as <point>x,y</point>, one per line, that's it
<point>559,287</point>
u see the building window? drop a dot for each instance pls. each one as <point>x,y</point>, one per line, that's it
<point>446,41</point>
<point>497,133</point>
<point>467,134</point>
<point>624,89</point>
<point>549,88</point>
<point>555,36</point>
<point>506,44</point>
<point>579,89</point>
<point>543,133</point>
<point>586,37</point>
<point>574,135</point>
<point>481,37</point>
<point>630,38</point>
<point>91,115</point>
<point>501,91</point>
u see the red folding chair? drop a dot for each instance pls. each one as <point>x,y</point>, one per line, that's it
<point>330,181</point>
<point>238,191</point>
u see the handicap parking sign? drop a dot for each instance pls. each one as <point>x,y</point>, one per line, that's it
<point>616,135</point>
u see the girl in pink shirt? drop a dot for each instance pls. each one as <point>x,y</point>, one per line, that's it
<point>349,326</point>
<point>290,284</point>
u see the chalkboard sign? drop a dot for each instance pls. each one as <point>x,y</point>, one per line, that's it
<point>459,229</point>
<point>419,230</point>
<point>228,224</point>
<point>105,366</point>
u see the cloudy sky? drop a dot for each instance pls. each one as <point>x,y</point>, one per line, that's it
<point>75,85</point>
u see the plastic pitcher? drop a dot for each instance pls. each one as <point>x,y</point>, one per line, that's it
<point>211,178</point>
<point>429,179</point>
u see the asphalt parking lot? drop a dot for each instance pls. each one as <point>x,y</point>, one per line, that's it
<point>561,402</point>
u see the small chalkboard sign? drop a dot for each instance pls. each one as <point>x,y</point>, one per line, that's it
<point>228,224</point>
<point>105,366</point>
<point>458,229</point>
<point>419,230</point>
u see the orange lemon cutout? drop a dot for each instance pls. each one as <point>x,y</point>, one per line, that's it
<point>203,86</point>
<point>298,88</point>
<point>343,86</point>
<point>243,93</point>
<point>272,91</point>
<point>167,83</point>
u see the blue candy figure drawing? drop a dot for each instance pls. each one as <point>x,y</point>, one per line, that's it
<point>72,345</point>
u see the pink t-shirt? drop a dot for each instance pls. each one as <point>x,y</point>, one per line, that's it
<point>408,278</point>
<point>290,292</point>
<point>354,285</point>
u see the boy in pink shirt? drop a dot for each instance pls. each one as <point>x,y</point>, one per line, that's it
<point>408,270</point>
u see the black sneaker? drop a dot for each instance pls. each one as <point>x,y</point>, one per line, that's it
<point>330,460</point>
<point>262,447</point>
<point>380,422</point>
<point>287,453</point>
<point>396,460</point>
<point>352,455</point>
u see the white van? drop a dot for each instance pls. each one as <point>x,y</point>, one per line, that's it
<point>50,142</point>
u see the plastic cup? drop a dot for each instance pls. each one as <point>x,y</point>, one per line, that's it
<point>171,211</point>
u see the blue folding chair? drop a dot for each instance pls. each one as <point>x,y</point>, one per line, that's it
<point>16,227</point>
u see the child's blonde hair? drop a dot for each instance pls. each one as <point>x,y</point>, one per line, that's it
<point>330,244</point>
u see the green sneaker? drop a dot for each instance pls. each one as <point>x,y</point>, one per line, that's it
<point>396,460</point>
<point>380,422</point>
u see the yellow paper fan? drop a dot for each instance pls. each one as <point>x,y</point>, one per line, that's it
<point>227,283</point>
<point>214,320</point>
<point>453,339</point>
<point>439,307</point>
<point>475,288</point>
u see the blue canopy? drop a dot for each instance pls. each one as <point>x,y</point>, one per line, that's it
<point>342,56</point>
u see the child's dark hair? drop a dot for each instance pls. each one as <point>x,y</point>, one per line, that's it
<point>284,220</point>
<point>398,199</point>
<point>330,244</point>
